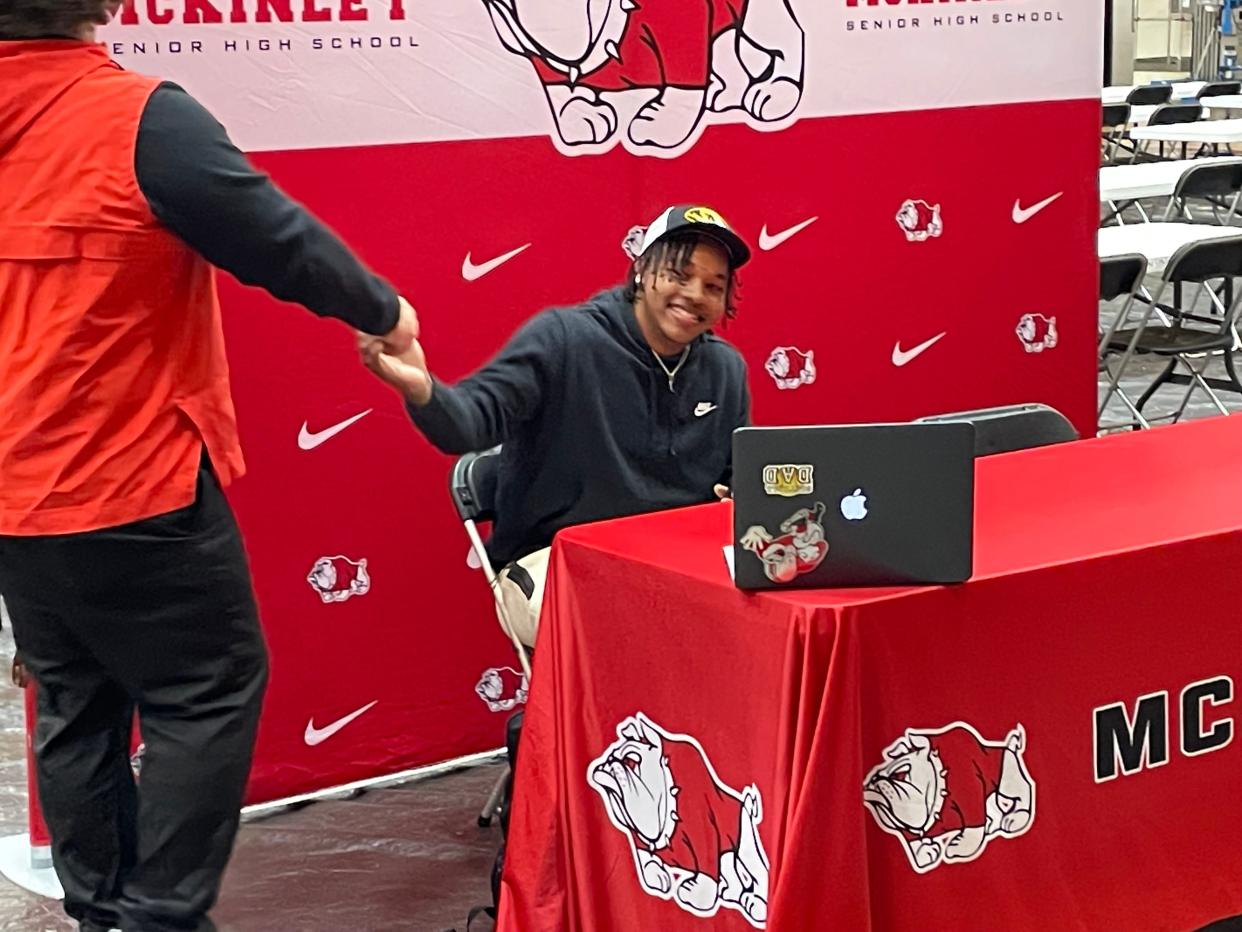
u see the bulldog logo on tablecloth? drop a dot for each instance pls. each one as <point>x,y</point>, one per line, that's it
<point>339,578</point>
<point>593,56</point>
<point>503,688</point>
<point>801,546</point>
<point>947,793</point>
<point>1037,332</point>
<point>791,368</point>
<point>920,221</point>
<point>695,839</point>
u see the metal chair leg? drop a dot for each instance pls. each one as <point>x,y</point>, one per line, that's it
<point>1161,379</point>
<point>492,807</point>
<point>1197,379</point>
<point>1232,372</point>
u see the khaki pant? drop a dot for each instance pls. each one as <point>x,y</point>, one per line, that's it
<point>523,608</point>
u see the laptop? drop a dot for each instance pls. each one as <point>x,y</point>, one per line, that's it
<point>853,505</point>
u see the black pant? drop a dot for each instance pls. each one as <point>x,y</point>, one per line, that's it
<point>158,616</point>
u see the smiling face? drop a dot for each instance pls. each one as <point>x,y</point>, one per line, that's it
<point>682,295</point>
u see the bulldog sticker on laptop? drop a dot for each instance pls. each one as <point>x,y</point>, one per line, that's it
<point>799,548</point>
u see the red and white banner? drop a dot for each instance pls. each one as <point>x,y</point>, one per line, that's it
<point>918,180</point>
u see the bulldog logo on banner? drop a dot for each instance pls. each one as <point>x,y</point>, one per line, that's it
<point>683,62</point>
<point>695,839</point>
<point>920,221</point>
<point>337,579</point>
<point>1037,332</point>
<point>947,793</point>
<point>791,368</point>
<point>502,688</point>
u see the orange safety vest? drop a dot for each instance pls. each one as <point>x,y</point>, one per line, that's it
<point>112,366</point>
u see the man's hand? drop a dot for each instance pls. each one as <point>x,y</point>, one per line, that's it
<point>723,492</point>
<point>397,340</point>
<point>21,677</point>
<point>405,371</point>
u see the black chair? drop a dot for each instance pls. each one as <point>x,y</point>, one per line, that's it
<point>1114,119</point>
<point>472,486</point>
<point>1168,115</point>
<point>1220,89</point>
<point>1120,277</point>
<point>1219,183</point>
<point>1191,336</point>
<point>1012,427</point>
<point>1150,95</point>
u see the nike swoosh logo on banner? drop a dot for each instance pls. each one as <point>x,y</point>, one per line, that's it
<point>1022,214</point>
<point>308,440</point>
<point>471,272</point>
<point>316,736</point>
<point>771,241</point>
<point>901,357</point>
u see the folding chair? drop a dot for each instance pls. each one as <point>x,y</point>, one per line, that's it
<point>472,485</point>
<point>1120,277</point>
<point>1114,120</point>
<point>1167,115</point>
<point>1189,336</point>
<point>1150,94</point>
<point>1220,89</point>
<point>1012,427</point>
<point>1216,182</point>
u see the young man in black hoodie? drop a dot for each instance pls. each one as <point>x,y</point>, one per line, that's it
<point>621,405</point>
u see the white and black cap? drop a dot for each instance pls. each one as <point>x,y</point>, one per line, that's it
<point>684,218</point>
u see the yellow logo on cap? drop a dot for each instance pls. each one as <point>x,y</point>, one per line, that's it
<point>705,215</point>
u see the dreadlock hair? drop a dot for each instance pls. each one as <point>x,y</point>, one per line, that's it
<point>673,252</point>
<point>49,19</point>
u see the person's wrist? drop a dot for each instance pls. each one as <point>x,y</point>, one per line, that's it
<point>419,399</point>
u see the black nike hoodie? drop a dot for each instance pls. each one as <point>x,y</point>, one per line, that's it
<point>592,426</point>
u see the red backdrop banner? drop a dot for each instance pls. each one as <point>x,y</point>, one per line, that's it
<point>853,312</point>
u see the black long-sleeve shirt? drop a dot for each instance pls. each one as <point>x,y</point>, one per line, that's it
<point>590,425</point>
<point>206,191</point>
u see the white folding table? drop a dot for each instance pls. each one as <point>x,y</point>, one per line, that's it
<point>1156,241</point>
<point>1204,132</point>
<point>1148,179</point>
<point>1225,102</point>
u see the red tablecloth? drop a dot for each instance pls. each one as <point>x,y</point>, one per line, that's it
<point>1106,571</point>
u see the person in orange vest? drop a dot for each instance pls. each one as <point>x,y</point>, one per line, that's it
<point>120,561</point>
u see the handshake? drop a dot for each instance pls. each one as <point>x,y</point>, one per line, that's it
<point>398,359</point>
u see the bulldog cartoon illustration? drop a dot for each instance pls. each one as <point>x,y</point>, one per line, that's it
<point>339,578</point>
<point>502,688</point>
<point>1037,332</point>
<point>920,221</point>
<point>632,245</point>
<point>695,840</point>
<point>684,58</point>
<point>800,548</point>
<point>947,793</point>
<point>791,368</point>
